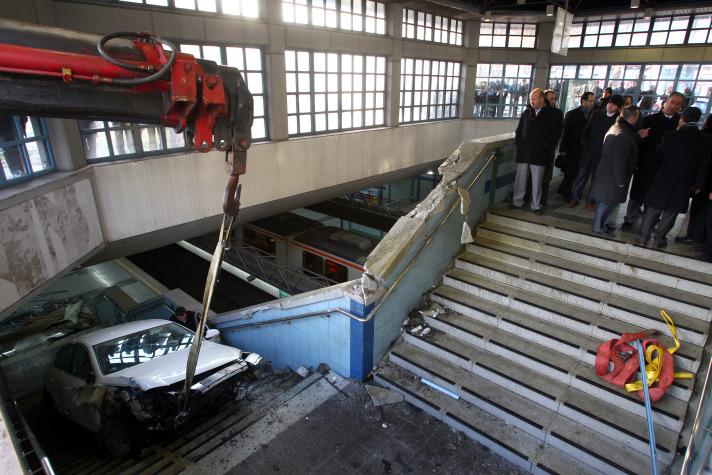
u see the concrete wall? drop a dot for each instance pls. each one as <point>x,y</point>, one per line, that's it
<point>322,338</point>
<point>44,233</point>
<point>335,332</point>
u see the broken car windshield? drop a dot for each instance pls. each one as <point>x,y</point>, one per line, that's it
<point>136,348</point>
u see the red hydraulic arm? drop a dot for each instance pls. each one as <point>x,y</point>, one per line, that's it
<point>138,78</point>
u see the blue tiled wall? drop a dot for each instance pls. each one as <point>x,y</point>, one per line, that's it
<point>303,342</point>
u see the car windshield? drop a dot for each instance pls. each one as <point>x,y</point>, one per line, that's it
<point>136,348</point>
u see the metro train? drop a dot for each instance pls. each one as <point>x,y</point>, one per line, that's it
<point>303,242</point>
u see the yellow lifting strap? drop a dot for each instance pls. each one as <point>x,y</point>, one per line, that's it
<point>654,359</point>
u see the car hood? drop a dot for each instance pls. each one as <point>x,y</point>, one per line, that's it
<point>169,369</point>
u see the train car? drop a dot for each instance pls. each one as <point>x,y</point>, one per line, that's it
<point>302,242</point>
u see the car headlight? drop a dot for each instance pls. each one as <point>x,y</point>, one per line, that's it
<point>252,358</point>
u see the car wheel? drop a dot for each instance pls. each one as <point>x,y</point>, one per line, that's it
<point>119,436</point>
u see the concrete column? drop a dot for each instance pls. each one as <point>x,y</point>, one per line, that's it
<point>467,86</point>
<point>66,144</point>
<point>394,19</point>
<point>276,75</point>
<point>543,46</point>
<point>394,28</point>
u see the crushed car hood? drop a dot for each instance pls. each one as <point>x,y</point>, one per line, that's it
<point>170,368</point>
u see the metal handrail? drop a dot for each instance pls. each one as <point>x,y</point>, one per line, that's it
<point>402,273</point>
<point>300,316</point>
<point>7,404</point>
<point>697,425</point>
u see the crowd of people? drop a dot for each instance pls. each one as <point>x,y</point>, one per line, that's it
<point>661,164</point>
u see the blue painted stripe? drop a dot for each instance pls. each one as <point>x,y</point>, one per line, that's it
<point>361,341</point>
<point>502,180</point>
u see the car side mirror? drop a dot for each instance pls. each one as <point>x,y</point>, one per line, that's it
<point>211,333</point>
<point>90,377</point>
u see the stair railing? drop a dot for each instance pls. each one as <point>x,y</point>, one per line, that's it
<point>700,444</point>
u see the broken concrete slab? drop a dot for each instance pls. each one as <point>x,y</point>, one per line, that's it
<point>382,396</point>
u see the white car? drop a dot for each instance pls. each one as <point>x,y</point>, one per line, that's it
<point>125,381</point>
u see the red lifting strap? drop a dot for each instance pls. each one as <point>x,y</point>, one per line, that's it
<point>624,370</point>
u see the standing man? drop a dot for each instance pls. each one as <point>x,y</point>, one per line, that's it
<point>615,169</point>
<point>570,145</point>
<point>535,139</point>
<point>607,93</point>
<point>550,99</point>
<point>683,165</point>
<point>654,127</point>
<point>592,141</point>
<point>699,207</point>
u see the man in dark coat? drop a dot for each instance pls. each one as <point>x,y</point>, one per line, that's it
<point>683,166</point>
<point>592,141</point>
<point>615,169</point>
<point>700,205</point>
<point>535,138</point>
<point>570,145</point>
<point>550,99</point>
<point>654,127</point>
<point>188,319</point>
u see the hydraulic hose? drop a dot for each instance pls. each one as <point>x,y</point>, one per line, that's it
<point>132,67</point>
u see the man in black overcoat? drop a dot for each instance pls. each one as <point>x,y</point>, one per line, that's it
<point>570,144</point>
<point>655,126</point>
<point>592,141</point>
<point>615,169</point>
<point>535,138</point>
<point>682,170</point>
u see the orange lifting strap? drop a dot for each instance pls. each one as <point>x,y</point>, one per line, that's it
<point>659,366</point>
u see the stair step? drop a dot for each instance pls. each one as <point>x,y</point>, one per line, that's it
<point>654,293</point>
<point>578,232</point>
<point>515,408</point>
<point>664,274</point>
<point>587,328</point>
<point>690,329</point>
<point>669,411</point>
<point>512,442</point>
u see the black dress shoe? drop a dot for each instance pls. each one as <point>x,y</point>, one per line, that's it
<point>538,212</point>
<point>685,240</point>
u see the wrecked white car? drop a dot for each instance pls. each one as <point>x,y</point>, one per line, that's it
<point>125,382</point>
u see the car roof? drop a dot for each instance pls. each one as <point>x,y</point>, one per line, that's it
<point>109,333</point>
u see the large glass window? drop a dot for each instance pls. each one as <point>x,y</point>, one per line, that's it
<point>24,148</point>
<point>502,90</point>
<point>700,30</point>
<point>355,15</point>
<point>429,90</point>
<point>649,84</point>
<point>428,27</point>
<point>507,35</point>
<point>660,31</point>
<point>251,65</point>
<point>331,91</point>
<point>104,140</point>
<point>244,8</point>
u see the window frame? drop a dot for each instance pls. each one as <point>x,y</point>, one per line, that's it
<point>339,111</point>
<point>430,90</point>
<point>405,23</point>
<point>173,8</point>
<point>688,30</point>
<point>676,81</point>
<point>340,12</point>
<point>135,129</point>
<point>498,115</point>
<point>43,138</point>
<point>508,34</point>
<point>223,58</point>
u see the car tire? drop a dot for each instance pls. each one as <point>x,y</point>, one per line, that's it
<point>120,437</point>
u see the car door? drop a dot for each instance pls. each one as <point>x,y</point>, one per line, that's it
<point>67,382</point>
<point>86,397</point>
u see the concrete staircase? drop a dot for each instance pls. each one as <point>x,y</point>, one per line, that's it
<point>527,305</point>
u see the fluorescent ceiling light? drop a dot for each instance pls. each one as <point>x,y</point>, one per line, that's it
<point>634,3</point>
<point>488,15</point>
<point>550,9</point>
